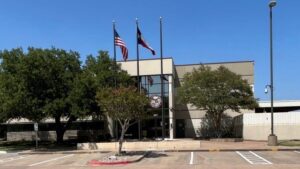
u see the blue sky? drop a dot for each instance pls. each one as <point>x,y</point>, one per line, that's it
<point>195,31</point>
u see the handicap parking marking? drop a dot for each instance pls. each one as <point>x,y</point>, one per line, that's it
<point>261,157</point>
<point>252,158</point>
<point>281,157</point>
<point>53,159</point>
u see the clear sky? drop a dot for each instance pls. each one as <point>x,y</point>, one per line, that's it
<point>195,31</point>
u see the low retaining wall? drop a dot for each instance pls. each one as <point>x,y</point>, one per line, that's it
<point>142,146</point>
<point>51,135</point>
<point>258,126</point>
<point>42,135</point>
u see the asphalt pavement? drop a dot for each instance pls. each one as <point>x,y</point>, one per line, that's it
<point>160,160</point>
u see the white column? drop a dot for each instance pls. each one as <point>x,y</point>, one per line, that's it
<point>171,104</point>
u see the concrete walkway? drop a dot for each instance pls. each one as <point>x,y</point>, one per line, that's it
<point>180,146</point>
<point>243,146</point>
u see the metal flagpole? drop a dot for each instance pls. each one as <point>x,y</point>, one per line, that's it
<point>162,81</point>
<point>115,57</point>
<point>115,71</point>
<point>138,71</point>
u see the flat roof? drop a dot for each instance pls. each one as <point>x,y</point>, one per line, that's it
<point>210,63</point>
<point>134,60</point>
<point>279,103</point>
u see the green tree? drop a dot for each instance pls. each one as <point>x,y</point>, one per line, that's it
<point>124,104</point>
<point>51,83</point>
<point>12,95</point>
<point>37,85</point>
<point>216,91</point>
<point>98,72</point>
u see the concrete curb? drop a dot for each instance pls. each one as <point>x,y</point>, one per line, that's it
<point>3,152</point>
<point>100,163</point>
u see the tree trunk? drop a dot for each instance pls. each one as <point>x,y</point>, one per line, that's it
<point>218,125</point>
<point>121,139</point>
<point>60,136</point>
<point>61,128</point>
<point>60,131</point>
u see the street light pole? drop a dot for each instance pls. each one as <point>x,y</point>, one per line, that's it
<point>272,139</point>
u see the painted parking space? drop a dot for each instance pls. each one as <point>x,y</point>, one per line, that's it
<point>224,158</point>
<point>210,158</point>
<point>76,160</point>
<point>28,160</point>
<point>8,155</point>
<point>10,159</point>
<point>51,160</point>
<point>163,160</point>
<point>48,160</point>
<point>192,159</point>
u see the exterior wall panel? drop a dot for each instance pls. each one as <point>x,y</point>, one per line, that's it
<point>258,126</point>
<point>148,67</point>
<point>191,114</point>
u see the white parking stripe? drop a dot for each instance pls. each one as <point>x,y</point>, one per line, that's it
<point>54,159</point>
<point>192,158</point>
<point>297,152</point>
<point>253,158</point>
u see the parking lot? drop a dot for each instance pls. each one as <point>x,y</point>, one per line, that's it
<point>164,160</point>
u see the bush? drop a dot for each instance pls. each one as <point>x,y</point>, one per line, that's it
<point>208,131</point>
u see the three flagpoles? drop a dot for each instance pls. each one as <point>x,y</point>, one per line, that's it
<point>140,41</point>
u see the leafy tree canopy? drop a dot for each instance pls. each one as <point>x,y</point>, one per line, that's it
<point>36,84</point>
<point>51,83</point>
<point>124,104</point>
<point>216,91</point>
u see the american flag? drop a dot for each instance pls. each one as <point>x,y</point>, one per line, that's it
<point>150,80</point>
<point>164,78</point>
<point>142,42</point>
<point>121,43</point>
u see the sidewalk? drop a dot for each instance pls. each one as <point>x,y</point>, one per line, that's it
<point>197,145</point>
<point>243,146</point>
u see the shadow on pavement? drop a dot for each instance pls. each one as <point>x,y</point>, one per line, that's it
<point>156,155</point>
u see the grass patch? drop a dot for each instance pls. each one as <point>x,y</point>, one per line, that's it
<point>43,145</point>
<point>289,143</point>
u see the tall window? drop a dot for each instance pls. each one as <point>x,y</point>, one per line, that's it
<point>152,86</point>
